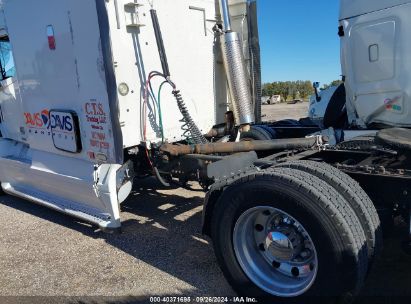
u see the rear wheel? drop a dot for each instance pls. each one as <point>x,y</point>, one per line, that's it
<point>284,234</point>
<point>288,122</point>
<point>354,195</point>
<point>265,253</point>
<point>256,133</point>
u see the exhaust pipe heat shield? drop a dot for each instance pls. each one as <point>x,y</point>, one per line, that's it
<point>238,80</point>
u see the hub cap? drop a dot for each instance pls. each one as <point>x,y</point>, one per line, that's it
<point>279,246</point>
<point>275,251</point>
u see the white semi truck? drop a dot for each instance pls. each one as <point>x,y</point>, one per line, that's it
<point>95,93</point>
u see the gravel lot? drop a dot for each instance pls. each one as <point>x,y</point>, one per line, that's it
<point>161,251</point>
<point>285,111</point>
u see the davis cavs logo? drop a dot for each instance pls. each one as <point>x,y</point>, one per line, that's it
<point>45,120</point>
<point>38,120</point>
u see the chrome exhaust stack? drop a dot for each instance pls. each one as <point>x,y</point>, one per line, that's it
<point>235,67</point>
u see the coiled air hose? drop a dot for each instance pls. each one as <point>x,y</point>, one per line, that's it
<point>191,132</point>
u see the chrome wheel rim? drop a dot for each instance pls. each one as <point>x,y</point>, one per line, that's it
<point>275,251</point>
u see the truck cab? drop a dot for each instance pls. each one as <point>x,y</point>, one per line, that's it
<point>75,102</point>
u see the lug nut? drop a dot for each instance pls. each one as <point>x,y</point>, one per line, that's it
<point>276,264</point>
<point>259,227</point>
<point>305,254</point>
<point>295,271</point>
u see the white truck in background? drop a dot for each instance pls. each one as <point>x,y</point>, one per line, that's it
<point>319,102</point>
<point>105,91</point>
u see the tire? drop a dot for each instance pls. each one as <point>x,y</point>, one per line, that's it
<point>288,123</point>
<point>354,195</point>
<point>255,133</point>
<point>269,130</point>
<point>331,224</point>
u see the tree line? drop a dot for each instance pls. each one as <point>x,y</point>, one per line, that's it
<point>302,89</point>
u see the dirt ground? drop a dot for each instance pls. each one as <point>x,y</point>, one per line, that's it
<point>284,111</point>
<point>161,252</point>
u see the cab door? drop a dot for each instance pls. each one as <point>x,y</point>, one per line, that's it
<point>67,85</point>
<point>10,103</point>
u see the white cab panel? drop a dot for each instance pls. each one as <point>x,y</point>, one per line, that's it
<point>355,8</point>
<point>60,55</point>
<point>10,110</point>
<point>70,77</point>
<point>189,41</point>
<point>376,63</point>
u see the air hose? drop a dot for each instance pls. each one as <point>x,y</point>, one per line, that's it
<point>191,133</point>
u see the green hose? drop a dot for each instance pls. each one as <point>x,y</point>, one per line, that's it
<point>160,114</point>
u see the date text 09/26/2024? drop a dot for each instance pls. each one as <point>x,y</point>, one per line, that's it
<point>202,300</point>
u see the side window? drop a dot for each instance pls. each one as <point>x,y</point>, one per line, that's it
<point>7,68</point>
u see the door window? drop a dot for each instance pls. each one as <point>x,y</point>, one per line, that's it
<point>7,68</point>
